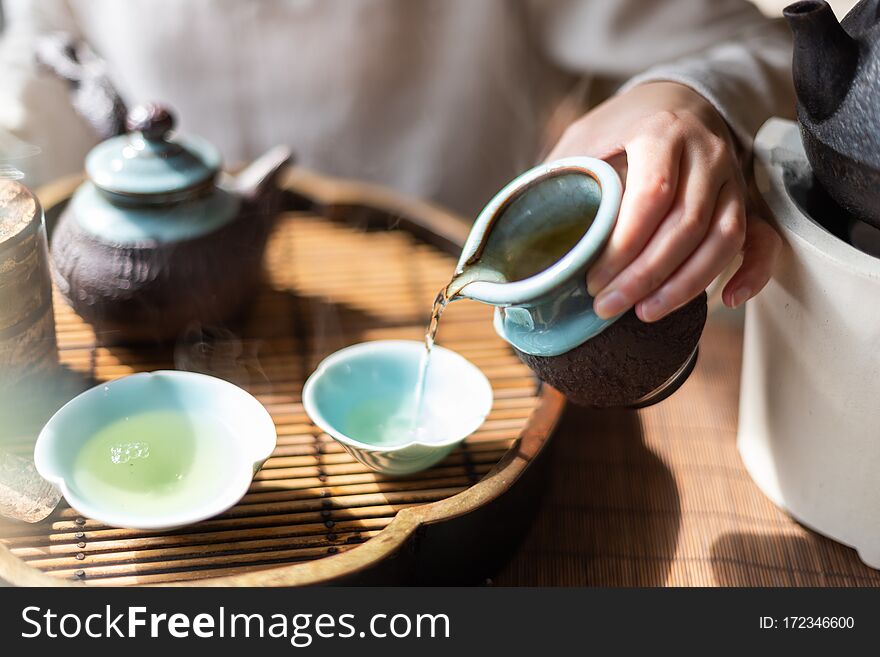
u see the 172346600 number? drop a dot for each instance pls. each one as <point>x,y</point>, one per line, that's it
<point>808,623</point>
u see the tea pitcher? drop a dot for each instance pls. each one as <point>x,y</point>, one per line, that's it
<point>528,254</point>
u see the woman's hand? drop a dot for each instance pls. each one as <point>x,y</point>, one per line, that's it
<point>684,214</point>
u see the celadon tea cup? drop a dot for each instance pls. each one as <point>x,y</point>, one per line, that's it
<point>156,450</point>
<point>365,397</point>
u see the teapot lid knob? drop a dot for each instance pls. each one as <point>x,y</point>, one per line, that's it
<point>150,165</point>
<point>152,120</point>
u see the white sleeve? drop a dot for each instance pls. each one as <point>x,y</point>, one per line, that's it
<point>726,50</point>
<point>747,78</point>
<point>35,109</point>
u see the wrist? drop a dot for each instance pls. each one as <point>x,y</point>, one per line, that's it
<point>678,97</point>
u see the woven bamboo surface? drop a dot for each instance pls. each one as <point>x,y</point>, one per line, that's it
<point>660,497</point>
<point>327,286</point>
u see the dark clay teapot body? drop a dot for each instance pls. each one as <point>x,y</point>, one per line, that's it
<point>836,69</point>
<point>152,242</point>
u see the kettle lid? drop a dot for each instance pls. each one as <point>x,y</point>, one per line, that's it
<point>149,164</point>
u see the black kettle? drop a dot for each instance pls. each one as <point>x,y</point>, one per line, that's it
<point>836,69</point>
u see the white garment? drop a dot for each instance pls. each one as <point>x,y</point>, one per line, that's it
<point>442,99</point>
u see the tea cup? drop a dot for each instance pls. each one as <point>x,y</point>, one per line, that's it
<point>156,450</point>
<point>365,397</point>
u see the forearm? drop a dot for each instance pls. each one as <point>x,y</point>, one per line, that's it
<point>35,110</point>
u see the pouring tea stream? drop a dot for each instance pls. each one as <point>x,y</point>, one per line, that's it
<point>528,254</point>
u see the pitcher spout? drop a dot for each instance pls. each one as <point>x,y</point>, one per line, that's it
<point>540,232</point>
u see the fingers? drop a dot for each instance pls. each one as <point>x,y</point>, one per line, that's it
<point>679,234</point>
<point>582,138</point>
<point>760,252</point>
<point>723,241</point>
<point>682,217</point>
<point>652,177</point>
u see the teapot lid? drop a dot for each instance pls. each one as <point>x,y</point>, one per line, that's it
<point>148,164</point>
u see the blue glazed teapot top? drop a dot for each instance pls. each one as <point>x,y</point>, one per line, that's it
<point>149,164</point>
<point>152,185</point>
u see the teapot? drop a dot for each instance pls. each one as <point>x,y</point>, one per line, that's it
<point>836,69</point>
<point>157,238</point>
<point>528,254</point>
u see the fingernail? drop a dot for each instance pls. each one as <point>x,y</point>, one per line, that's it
<point>651,309</point>
<point>608,304</point>
<point>740,296</point>
<point>595,281</point>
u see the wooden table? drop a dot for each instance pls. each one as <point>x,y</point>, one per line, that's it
<point>659,497</point>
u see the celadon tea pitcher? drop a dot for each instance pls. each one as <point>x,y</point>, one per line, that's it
<point>528,254</point>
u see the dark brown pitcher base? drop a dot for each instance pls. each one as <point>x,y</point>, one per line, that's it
<point>628,361</point>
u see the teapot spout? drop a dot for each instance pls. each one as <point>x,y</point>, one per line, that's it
<point>261,175</point>
<point>825,57</point>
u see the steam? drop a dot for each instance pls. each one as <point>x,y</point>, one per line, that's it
<point>11,149</point>
<point>8,172</point>
<point>217,351</point>
<point>328,330</point>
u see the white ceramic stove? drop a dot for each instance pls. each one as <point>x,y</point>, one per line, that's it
<point>809,421</point>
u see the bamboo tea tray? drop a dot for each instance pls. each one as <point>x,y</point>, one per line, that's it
<point>350,262</point>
